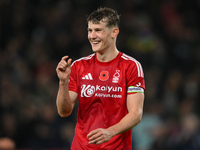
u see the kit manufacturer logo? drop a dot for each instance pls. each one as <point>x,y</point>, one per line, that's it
<point>87,77</point>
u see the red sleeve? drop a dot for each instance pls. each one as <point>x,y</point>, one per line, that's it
<point>73,84</point>
<point>135,78</point>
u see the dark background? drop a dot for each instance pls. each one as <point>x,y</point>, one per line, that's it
<point>164,35</point>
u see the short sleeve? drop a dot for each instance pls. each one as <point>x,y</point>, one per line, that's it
<point>135,78</point>
<point>73,83</point>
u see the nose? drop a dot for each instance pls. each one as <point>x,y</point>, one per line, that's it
<point>92,35</point>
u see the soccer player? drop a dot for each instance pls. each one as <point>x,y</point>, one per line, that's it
<point>109,86</point>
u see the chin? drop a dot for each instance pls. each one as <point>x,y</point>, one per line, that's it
<point>95,49</point>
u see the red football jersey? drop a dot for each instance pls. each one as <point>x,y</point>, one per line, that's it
<point>102,89</point>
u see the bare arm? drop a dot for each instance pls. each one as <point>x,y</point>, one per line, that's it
<point>65,99</point>
<point>134,116</point>
<point>135,110</point>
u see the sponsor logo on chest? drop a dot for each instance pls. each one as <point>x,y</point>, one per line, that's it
<point>90,90</point>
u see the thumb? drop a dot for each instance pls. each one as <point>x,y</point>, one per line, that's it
<point>69,62</point>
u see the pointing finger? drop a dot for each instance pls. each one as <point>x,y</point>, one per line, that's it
<point>65,57</point>
<point>64,64</point>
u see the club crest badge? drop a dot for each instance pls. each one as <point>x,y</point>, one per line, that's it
<point>116,76</point>
<point>104,75</point>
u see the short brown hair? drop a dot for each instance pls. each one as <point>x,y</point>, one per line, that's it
<point>111,17</point>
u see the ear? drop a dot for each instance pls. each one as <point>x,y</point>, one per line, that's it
<point>115,32</point>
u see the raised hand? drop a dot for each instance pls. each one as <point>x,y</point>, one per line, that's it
<point>64,68</point>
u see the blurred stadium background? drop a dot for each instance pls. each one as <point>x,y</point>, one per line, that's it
<point>164,35</point>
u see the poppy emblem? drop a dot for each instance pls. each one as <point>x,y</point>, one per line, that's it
<point>104,75</point>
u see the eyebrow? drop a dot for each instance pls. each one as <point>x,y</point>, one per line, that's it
<point>89,29</point>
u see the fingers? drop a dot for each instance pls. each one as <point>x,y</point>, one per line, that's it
<point>95,136</point>
<point>69,62</point>
<point>98,136</point>
<point>91,133</point>
<point>98,140</point>
<point>63,64</point>
<point>65,57</point>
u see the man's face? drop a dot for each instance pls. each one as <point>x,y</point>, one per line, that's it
<point>100,36</point>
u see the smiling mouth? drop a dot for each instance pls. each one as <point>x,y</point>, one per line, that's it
<point>95,42</point>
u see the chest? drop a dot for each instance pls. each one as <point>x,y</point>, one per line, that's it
<point>101,80</point>
<point>103,75</point>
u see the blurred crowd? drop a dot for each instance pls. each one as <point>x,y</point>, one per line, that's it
<point>162,34</point>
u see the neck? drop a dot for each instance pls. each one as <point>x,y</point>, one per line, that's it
<point>107,55</point>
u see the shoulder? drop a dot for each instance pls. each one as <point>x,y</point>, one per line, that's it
<point>83,60</point>
<point>128,59</point>
<point>132,63</point>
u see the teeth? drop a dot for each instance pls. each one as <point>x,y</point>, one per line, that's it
<point>95,42</point>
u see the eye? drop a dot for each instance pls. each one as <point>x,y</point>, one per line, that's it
<point>98,30</point>
<point>89,30</point>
